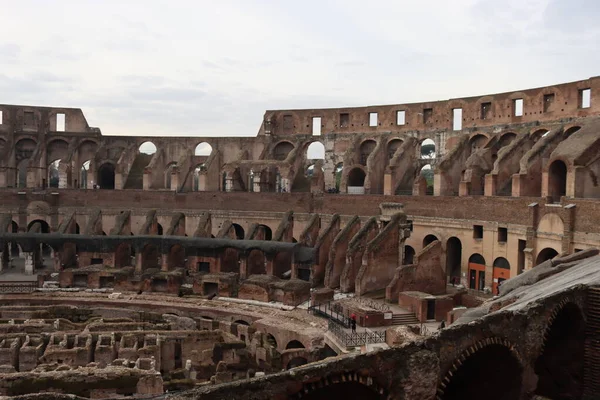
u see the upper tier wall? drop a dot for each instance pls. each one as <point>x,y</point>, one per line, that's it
<point>539,104</point>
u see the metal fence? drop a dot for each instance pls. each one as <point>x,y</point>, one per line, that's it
<point>355,339</point>
<point>331,313</point>
<point>18,287</point>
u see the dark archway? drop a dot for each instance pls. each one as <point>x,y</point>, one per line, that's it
<point>271,340</point>
<point>241,322</point>
<point>477,272</point>
<point>356,177</point>
<point>546,254</point>
<point>150,256</point>
<point>453,259</point>
<point>366,148</point>
<point>492,373</point>
<point>256,263</point>
<point>282,264</point>
<point>501,272</point>
<point>557,180</point>
<point>230,260</point>
<point>281,150</point>
<point>239,231</point>
<point>427,240</point>
<point>294,344</point>
<point>296,362</point>
<point>560,366</point>
<point>106,176</point>
<point>38,226</point>
<point>392,146</point>
<point>265,232</point>
<point>409,255</point>
<point>123,255</point>
<point>507,139</point>
<point>176,257</point>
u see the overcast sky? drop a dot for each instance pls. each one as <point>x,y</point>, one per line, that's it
<point>211,68</point>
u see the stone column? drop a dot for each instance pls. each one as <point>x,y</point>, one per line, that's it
<point>138,262</point>
<point>164,262</point>
<point>174,179</point>
<point>29,262</point>
<point>491,185</point>
<point>387,184</point>
<point>257,182</point>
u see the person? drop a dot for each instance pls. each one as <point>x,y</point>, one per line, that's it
<point>442,325</point>
<point>353,325</point>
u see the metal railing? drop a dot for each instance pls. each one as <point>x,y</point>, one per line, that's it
<point>355,339</point>
<point>334,313</point>
<point>18,287</point>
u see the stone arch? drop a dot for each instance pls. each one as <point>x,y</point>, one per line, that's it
<point>294,344</point>
<point>506,139</point>
<point>337,174</point>
<point>57,149</point>
<point>478,141</point>
<point>551,223</point>
<point>123,255</point>
<point>256,262</point>
<point>557,179</point>
<point>348,385</point>
<point>44,227</point>
<point>365,149</point>
<point>282,264</point>
<point>106,176</point>
<point>427,149</point>
<point>150,255</point>
<point>559,367</point>
<point>169,174</point>
<point>147,147</point>
<point>476,272</point>
<point>409,255</point>
<point>176,257</point>
<point>571,130</point>
<point>453,259</point>
<point>393,145</point>
<point>428,239</point>
<point>53,174</point>
<point>356,177</point>
<point>427,174</point>
<point>545,254</point>
<point>489,363</point>
<point>203,149</point>
<point>267,233</point>
<point>272,341</point>
<point>241,322</point>
<point>230,260</point>
<point>282,150</point>
<point>538,134</point>
<point>239,231</point>
<point>315,151</point>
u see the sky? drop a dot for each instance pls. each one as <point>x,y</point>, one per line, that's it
<point>211,68</point>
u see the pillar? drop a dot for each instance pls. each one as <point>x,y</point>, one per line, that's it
<point>29,262</point>
<point>138,262</point>
<point>228,182</point>
<point>256,182</point>
<point>147,180</point>
<point>174,179</point>
<point>491,185</point>
<point>387,184</point>
<point>244,265</point>
<point>164,262</point>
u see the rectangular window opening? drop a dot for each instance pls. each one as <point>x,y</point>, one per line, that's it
<point>477,231</point>
<point>28,118</point>
<point>203,267</point>
<point>316,126</point>
<point>585,98</point>
<point>427,115</point>
<point>485,110</point>
<point>502,235</point>
<point>344,120</point>
<point>400,117</point>
<point>518,107</point>
<point>60,122</point>
<point>548,101</point>
<point>457,119</point>
<point>1,118</point>
<point>373,119</point>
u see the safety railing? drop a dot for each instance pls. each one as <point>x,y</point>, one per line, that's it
<point>18,287</point>
<point>330,312</point>
<point>355,339</point>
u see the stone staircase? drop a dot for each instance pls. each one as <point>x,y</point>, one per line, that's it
<point>591,361</point>
<point>404,319</point>
<point>135,178</point>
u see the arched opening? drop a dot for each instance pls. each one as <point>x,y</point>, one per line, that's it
<point>392,146</point>
<point>427,174</point>
<point>427,149</point>
<point>540,133</point>
<point>453,260</point>
<point>159,229</point>
<point>44,256</point>
<point>271,340</point>
<point>557,180</point>
<point>123,255</point>
<point>83,175</point>
<point>338,176</point>
<point>176,257</point>
<point>366,148</point>
<point>427,240</point>
<point>296,362</point>
<point>409,255</point>
<point>282,264</point>
<point>24,149</point>
<point>294,344</point>
<point>256,263</point>
<point>53,174</point>
<point>356,181</point>
<point>506,139</point>
<point>150,257</point>
<point>281,150</point>
<point>168,175</point>
<point>560,366</point>
<point>230,260</point>
<point>106,176</point>
<point>239,231</point>
<point>493,373</point>
<point>315,151</point>
<point>501,272</point>
<point>265,233</point>
<point>38,226</point>
<point>478,142</point>
<point>147,148</point>
<point>571,131</point>
<point>476,272</point>
<point>546,254</point>
<point>344,390</point>
<point>203,149</point>
<point>197,173</point>
<point>241,322</point>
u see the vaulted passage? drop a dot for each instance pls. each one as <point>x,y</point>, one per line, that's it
<point>492,373</point>
<point>345,390</point>
<point>560,366</point>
